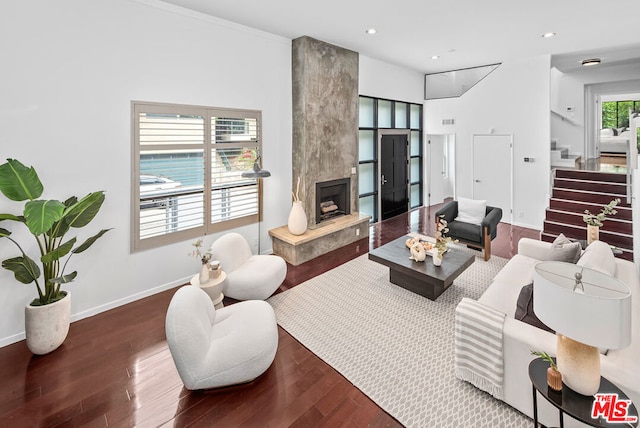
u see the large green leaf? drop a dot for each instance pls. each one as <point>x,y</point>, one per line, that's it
<point>41,215</point>
<point>64,278</point>
<point>19,183</point>
<point>83,211</point>
<point>11,217</point>
<point>89,242</point>
<point>70,201</point>
<point>25,270</point>
<point>59,252</point>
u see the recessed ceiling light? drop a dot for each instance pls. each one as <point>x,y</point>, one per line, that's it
<point>591,61</point>
<point>435,57</point>
<point>371,31</point>
<point>547,35</point>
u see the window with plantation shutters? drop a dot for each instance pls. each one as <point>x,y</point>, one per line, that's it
<point>187,170</point>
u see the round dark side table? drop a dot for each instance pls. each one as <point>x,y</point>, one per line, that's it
<point>567,401</point>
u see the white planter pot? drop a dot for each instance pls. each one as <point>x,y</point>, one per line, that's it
<point>297,219</point>
<point>46,327</point>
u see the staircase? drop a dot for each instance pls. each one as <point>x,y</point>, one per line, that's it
<point>577,190</point>
<point>560,157</point>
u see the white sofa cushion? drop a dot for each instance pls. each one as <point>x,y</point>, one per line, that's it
<point>598,256</point>
<point>471,210</point>
<point>503,292</point>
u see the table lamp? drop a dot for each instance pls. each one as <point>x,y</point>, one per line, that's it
<point>588,310</point>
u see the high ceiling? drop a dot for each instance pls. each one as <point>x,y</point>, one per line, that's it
<point>463,33</point>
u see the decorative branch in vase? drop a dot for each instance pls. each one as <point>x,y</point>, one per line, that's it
<point>554,377</point>
<point>594,221</point>
<point>204,258</point>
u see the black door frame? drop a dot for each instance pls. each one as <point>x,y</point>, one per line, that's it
<point>381,133</point>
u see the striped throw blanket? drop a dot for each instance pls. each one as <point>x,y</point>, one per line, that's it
<point>478,346</point>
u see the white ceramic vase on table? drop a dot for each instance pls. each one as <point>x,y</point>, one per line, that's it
<point>204,273</point>
<point>297,223</point>
<point>437,259</point>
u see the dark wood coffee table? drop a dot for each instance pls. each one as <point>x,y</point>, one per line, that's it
<point>423,278</point>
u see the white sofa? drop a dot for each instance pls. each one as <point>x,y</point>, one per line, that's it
<point>620,366</point>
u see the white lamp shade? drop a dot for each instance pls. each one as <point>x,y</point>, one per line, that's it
<point>600,316</point>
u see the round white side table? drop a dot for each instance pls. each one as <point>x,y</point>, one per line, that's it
<point>213,287</point>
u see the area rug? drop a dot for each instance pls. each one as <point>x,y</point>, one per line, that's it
<point>392,344</point>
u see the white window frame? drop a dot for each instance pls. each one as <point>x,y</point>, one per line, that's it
<point>208,145</point>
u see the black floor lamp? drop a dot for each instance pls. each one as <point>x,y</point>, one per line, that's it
<point>257,172</point>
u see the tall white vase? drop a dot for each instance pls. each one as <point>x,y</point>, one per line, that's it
<point>46,326</point>
<point>297,219</point>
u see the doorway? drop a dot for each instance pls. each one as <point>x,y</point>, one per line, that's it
<point>493,172</point>
<point>394,182</point>
<point>440,168</point>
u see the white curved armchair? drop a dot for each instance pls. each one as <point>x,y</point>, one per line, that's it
<point>211,347</point>
<point>248,276</point>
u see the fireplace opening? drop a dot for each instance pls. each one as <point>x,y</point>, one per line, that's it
<point>333,199</point>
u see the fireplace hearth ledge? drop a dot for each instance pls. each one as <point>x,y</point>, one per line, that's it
<point>297,249</point>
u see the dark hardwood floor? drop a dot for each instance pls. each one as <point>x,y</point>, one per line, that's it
<point>115,369</point>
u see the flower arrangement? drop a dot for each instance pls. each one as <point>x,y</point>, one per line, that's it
<point>197,253</point>
<point>441,239</point>
<point>597,219</point>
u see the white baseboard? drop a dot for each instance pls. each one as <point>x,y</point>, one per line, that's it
<point>527,226</point>
<point>5,341</point>
<point>11,339</point>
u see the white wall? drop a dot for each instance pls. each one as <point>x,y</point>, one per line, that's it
<point>383,80</point>
<point>511,100</point>
<point>567,101</point>
<point>568,89</point>
<point>69,72</point>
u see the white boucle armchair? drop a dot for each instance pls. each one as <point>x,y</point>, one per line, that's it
<point>213,348</point>
<point>248,276</point>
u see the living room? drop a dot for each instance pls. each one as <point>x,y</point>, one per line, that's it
<point>82,64</point>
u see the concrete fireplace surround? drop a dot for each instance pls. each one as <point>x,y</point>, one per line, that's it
<point>325,145</point>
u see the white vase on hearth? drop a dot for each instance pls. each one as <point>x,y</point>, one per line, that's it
<point>297,223</point>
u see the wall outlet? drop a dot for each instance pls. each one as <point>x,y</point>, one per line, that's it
<point>357,232</point>
<point>353,170</point>
<point>521,214</point>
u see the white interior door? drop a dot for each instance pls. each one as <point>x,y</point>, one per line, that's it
<point>493,172</point>
<point>436,173</point>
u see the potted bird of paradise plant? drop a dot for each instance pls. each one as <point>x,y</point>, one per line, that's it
<point>48,221</point>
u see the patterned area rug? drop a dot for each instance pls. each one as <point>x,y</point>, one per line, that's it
<point>392,344</point>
